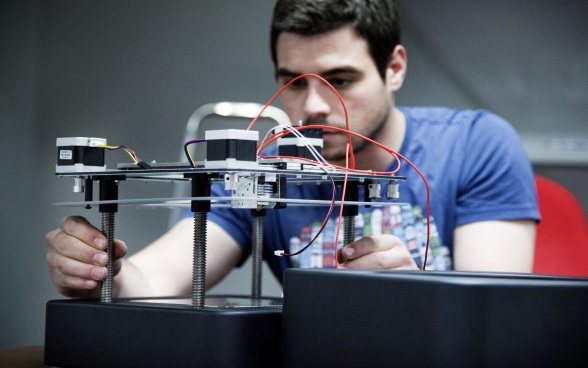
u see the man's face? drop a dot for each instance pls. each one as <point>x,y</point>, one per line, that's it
<point>341,57</point>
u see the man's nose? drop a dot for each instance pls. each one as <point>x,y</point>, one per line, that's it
<point>316,103</point>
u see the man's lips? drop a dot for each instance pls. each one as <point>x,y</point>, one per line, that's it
<point>329,135</point>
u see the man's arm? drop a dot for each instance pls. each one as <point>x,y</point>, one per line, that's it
<point>492,246</point>
<point>495,246</point>
<point>76,258</point>
<point>165,266</point>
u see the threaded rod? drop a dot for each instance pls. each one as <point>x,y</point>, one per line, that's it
<point>257,257</point>
<point>348,229</point>
<point>108,231</point>
<point>199,262</point>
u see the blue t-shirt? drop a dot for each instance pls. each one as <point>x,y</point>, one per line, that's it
<point>476,168</point>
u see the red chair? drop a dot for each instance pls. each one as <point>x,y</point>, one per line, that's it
<point>561,247</point>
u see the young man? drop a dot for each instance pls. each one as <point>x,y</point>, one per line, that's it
<point>483,201</point>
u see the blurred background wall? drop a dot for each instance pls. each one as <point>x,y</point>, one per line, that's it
<point>133,72</point>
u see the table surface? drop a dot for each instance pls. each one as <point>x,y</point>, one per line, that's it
<point>29,356</point>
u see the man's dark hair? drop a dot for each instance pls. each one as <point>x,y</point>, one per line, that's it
<point>374,20</point>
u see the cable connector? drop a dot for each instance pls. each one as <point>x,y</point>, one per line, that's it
<point>144,165</point>
<point>279,253</point>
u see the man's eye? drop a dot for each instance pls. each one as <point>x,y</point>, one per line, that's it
<point>339,82</point>
<point>297,83</point>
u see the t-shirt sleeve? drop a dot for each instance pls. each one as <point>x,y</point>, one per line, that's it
<point>236,222</point>
<point>496,182</point>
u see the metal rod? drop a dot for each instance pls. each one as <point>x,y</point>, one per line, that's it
<point>200,188</point>
<point>108,231</point>
<point>350,211</point>
<point>348,229</point>
<point>199,265</point>
<point>108,191</point>
<point>257,245</point>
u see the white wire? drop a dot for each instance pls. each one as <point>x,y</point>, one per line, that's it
<point>317,156</point>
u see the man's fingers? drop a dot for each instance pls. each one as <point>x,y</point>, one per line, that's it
<point>376,252</point>
<point>64,267</point>
<point>77,257</point>
<point>74,248</point>
<point>367,245</point>
<point>78,227</point>
<point>120,249</point>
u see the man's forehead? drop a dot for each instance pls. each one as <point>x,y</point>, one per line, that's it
<point>335,37</point>
<point>322,53</point>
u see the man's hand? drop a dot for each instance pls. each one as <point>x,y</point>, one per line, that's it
<point>376,252</point>
<point>77,257</point>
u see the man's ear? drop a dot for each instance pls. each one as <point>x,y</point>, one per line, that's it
<point>396,69</point>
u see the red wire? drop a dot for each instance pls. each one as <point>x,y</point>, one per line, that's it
<point>349,154</point>
<point>341,209</point>
<point>352,156</point>
<point>392,152</point>
<point>263,145</point>
<point>320,230</point>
